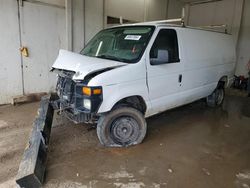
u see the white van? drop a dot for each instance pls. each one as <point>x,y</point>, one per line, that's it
<point>128,73</point>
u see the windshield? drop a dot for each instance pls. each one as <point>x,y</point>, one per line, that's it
<point>125,44</point>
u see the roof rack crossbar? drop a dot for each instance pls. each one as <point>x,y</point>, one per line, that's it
<point>181,20</point>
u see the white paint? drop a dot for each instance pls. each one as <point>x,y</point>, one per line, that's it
<point>81,64</point>
<point>202,64</point>
<point>10,64</point>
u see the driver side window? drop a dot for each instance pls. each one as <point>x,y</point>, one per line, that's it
<point>165,48</point>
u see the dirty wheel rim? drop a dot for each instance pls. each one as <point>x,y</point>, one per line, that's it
<point>124,130</point>
<point>219,94</point>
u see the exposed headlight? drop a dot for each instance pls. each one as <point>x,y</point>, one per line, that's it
<point>87,103</point>
<point>65,97</point>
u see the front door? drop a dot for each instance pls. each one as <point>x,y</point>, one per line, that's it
<point>43,31</point>
<point>164,71</point>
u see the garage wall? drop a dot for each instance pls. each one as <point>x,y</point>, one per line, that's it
<point>243,47</point>
<point>217,13</point>
<point>78,26</point>
<point>67,28</point>
<point>87,20</point>
<point>156,10</point>
<point>226,12</point>
<point>143,10</point>
<point>10,59</point>
<point>174,9</point>
<point>130,9</point>
<point>94,18</point>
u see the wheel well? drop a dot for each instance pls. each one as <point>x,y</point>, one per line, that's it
<point>222,82</point>
<point>136,102</point>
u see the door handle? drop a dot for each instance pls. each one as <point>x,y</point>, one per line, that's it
<point>180,78</point>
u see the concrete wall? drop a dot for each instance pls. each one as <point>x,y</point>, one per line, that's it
<point>174,9</point>
<point>10,59</point>
<point>156,10</point>
<point>143,10</point>
<point>133,10</point>
<point>71,24</point>
<point>87,18</point>
<point>78,25</point>
<point>226,12</point>
<point>243,47</point>
<point>94,18</point>
<point>217,13</point>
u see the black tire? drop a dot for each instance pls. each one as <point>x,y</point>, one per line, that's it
<point>216,98</point>
<point>122,127</point>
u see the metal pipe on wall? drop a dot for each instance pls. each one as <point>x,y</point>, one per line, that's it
<point>69,25</point>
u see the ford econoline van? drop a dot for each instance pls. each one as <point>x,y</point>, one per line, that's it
<point>130,72</point>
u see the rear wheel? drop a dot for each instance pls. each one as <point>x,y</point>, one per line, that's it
<point>122,127</point>
<point>216,98</point>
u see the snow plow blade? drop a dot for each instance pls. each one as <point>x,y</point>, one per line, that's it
<point>32,167</point>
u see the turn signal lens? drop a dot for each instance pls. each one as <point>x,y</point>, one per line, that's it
<point>94,91</point>
<point>86,91</point>
<point>97,91</point>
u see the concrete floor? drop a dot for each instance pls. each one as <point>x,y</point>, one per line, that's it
<point>191,146</point>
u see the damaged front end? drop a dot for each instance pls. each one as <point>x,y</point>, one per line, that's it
<point>77,101</point>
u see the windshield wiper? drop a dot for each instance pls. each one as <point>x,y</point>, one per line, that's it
<point>112,58</point>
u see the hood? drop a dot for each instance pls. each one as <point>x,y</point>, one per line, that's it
<point>82,65</point>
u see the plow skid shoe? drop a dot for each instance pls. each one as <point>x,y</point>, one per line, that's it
<point>32,167</point>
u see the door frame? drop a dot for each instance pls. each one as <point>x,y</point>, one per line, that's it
<point>157,109</point>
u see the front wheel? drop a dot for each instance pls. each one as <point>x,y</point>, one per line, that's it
<point>122,127</point>
<point>216,98</point>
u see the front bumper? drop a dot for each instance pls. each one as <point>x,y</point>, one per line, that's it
<point>71,101</point>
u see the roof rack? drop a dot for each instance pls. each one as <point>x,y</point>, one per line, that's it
<point>182,24</point>
<point>181,20</point>
<point>214,26</point>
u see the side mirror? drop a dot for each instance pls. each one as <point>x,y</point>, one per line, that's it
<point>162,57</point>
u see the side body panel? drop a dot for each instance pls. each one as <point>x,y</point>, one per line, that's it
<point>122,82</point>
<point>163,80</point>
<point>205,57</point>
<point>208,57</point>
